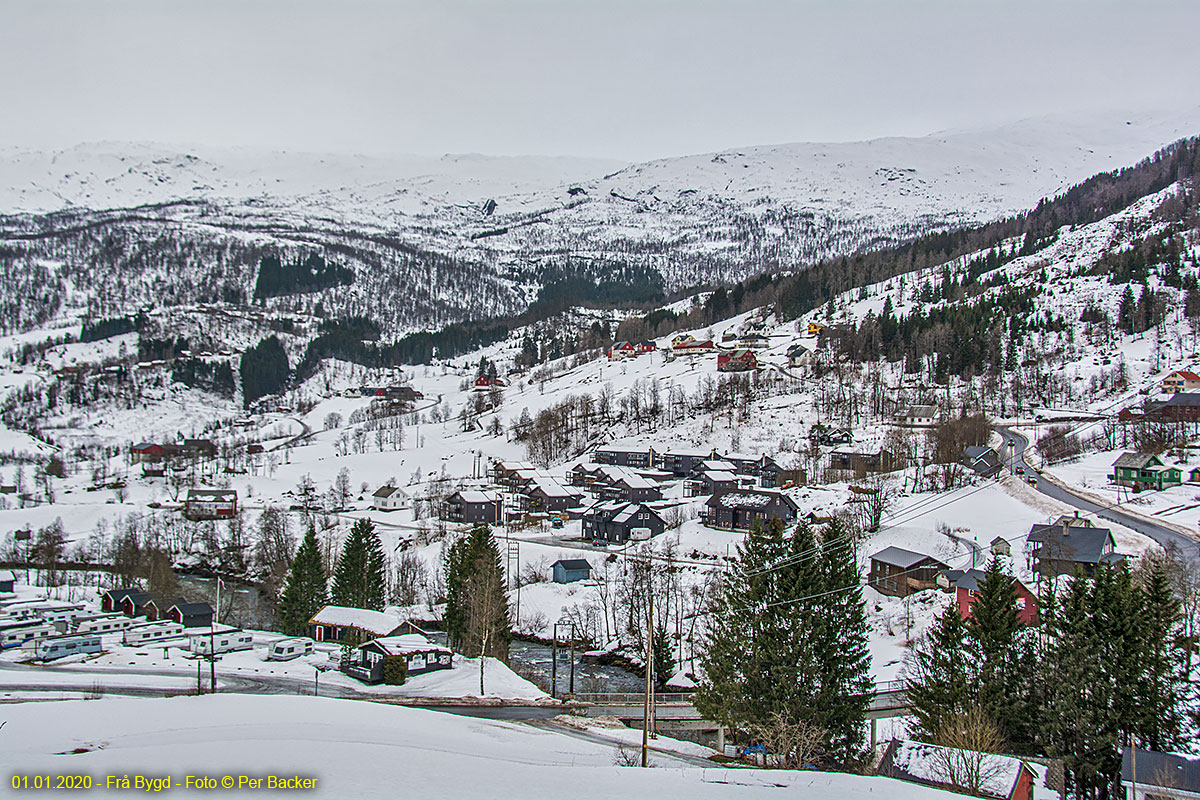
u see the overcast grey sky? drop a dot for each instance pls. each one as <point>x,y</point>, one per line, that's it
<point>631,80</point>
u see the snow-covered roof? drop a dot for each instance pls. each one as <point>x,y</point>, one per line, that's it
<point>375,622</point>
<point>213,495</point>
<point>406,643</point>
<point>552,488</point>
<point>924,762</point>
<point>477,496</point>
<point>899,557</point>
<point>741,500</point>
<point>719,476</point>
<point>628,477</point>
<point>6,575</point>
<point>1134,460</point>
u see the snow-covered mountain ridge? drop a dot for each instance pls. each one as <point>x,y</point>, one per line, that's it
<point>433,241</point>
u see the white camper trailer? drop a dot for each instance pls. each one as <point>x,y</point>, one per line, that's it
<point>103,623</point>
<point>225,641</point>
<point>72,644</point>
<point>287,649</point>
<point>151,632</point>
<point>15,633</point>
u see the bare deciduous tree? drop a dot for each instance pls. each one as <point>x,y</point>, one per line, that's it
<point>967,741</point>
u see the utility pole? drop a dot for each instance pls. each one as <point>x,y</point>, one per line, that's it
<point>649,658</point>
<point>212,653</point>
<point>554,663</point>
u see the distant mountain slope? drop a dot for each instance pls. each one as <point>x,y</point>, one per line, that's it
<point>432,241</point>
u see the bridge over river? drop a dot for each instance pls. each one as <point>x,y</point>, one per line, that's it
<point>673,711</point>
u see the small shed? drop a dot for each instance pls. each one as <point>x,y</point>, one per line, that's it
<point>191,615</point>
<point>1001,546</point>
<point>157,609</point>
<point>111,601</point>
<point>136,604</point>
<point>7,581</point>
<point>569,570</point>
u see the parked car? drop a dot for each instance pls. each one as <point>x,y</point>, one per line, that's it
<point>1020,470</point>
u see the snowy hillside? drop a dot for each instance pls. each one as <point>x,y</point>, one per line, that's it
<point>366,750</point>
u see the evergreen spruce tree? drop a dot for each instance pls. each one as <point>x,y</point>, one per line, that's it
<point>476,600</point>
<point>1003,647</point>
<point>306,588</point>
<point>358,578</point>
<point>942,674</point>
<point>839,639</point>
<point>1161,690</point>
<point>1080,719</point>
<point>787,639</point>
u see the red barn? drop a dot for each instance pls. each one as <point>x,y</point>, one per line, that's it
<point>737,361</point>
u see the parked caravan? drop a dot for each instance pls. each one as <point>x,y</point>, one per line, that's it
<point>16,632</point>
<point>72,644</point>
<point>151,632</point>
<point>64,615</point>
<point>48,610</point>
<point>102,623</point>
<point>222,642</point>
<point>287,649</point>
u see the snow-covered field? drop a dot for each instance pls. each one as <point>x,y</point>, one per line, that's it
<point>355,749</point>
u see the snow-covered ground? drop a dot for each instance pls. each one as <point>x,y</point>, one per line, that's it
<point>355,749</point>
<point>1175,504</point>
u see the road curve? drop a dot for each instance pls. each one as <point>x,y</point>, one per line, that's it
<point>1188,547</point>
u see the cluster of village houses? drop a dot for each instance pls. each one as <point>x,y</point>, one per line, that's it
<point>1140,471</point>
<point>735,353</point>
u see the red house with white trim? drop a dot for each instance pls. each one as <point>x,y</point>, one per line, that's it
<point>1181,380</point>
<point>694,348</point>
<point>737,361</point>
<point>621,350</point>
